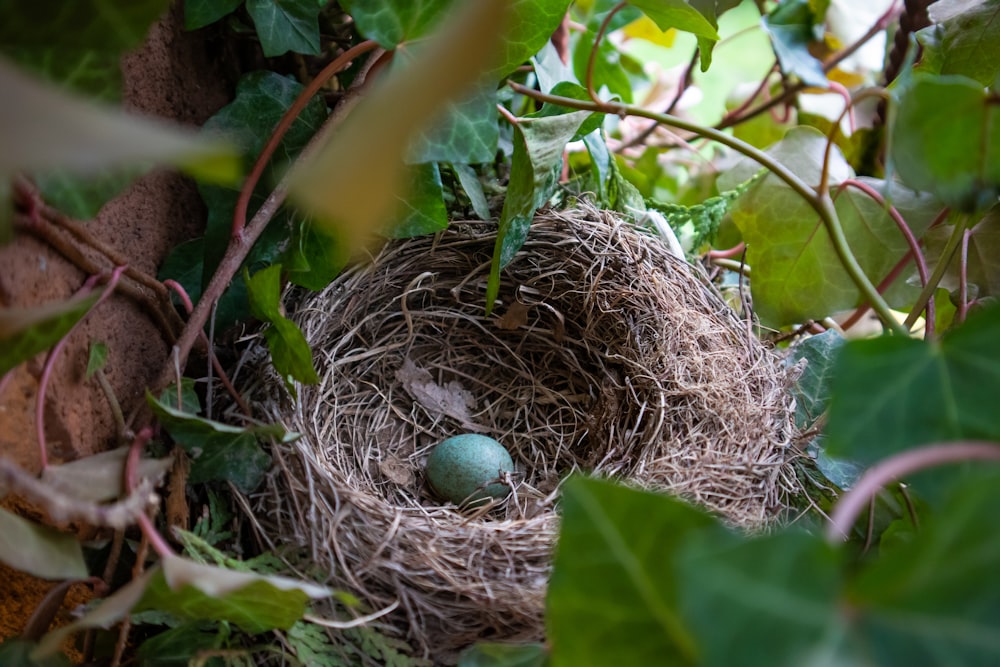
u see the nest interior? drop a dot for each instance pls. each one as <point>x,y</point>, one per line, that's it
<point>606,354</point>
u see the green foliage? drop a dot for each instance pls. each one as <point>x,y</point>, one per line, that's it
<point>97,358</point>
<point>286,25</point>
<point>793,26</point>
<point>27,331</point>
<point>700,21</point>
<point>218,451</point>
<point>178,645</point>
<point>18,652</point>
<point>504,655</point>
<point>423,209</point>
<point>889,394</point>
<point>290,352</point>
<point>945,139</point>
<point>76,44</point>
<point>39,550</point>
<point>538,146</point>
<point>812,390</point>
<point>200,13</point>
<point>798,274</point>
<point>965,39</point>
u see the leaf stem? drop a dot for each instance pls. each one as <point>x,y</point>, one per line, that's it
<point>822,204</point>
<point>593,51</point>
<point>954,241</point>
<point>895,467</point>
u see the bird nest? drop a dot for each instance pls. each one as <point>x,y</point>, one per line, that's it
<point>606,355</point>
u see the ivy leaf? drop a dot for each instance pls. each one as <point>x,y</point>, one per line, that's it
<point>797,273</point>
<point>737,592</point>
<point>945,139</point>
<point>983,266</point>
<point>504,655</point>
<point>218,451</point>
<point>290,352</point>
<point>97,358</point>
<point>81,196</point>
<point>255,602</point>
<point>614,592</point>
<point>812,391</point>
<point>538,146</point>
<point>683,16</point>
<point>966,40</point>
<point>352,183</point>
<point>76,44</point>
<point>936,599</point>
<point>468,133</point>
<point>178,646</point>
<point>313,258</point>
<point>44,128</point>
<point>609,70</point>
<point>892,393</point>
<point>200,13</point>
<point>286,25</point>
<point>39,550</point>
<point>473,189</point>
<point>423,209</point>
<point>25,332</point>
<point>16,651</point>
<point>792,27</point>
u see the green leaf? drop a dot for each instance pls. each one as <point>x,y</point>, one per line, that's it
<point>529,25</point>
<point>538,147</point>
<point>576,92</point>
<point>945,139</point>
<point>97,358</point>
<point>76,44</point>
<point>39,550</point>
<point>936,600</point>
<point>422,210</point>
<point>177,646</point>
<point>200,13</point>
<point>17,653</point>
<point>473,188</point>
<point>218,451</point>
<point>185,265</point>
<point>351,184</point>
<point>889,394</point>
<point>313,258</point>
<point>467,133</point>
<point>966,40</point>
<point>774,597</point>
<point>608,69</point>
<point>286,25</point>
<point>983,266</point>
<point>614,593</point>
<point>812,391</point>
<point>290,352</point>
<point>797,274</point>
<point>793,26</point>
<point>82,196</point>
<point>100,477</point>
<point>25,332</point>
<point>256,603</point>
<point>44,128</point>
<point>683,16</point>
<point>503,655</point>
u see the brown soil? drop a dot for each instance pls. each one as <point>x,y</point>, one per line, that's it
<point>174,75</point>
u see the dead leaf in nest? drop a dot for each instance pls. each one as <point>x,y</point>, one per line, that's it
<point>451,400</point>
<point>516,316</point>
<point>396,471</point>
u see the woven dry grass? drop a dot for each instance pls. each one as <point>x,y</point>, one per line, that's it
<point>608,355</point>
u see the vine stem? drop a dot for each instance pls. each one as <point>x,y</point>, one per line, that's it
<point>50,359</point>
<point>954,241</point>
<point>822,204</point>
<point>895,467</point>
<point>243,240</point>
<point>593,51</point>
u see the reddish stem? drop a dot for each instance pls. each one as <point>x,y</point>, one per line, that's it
<point>728,254</point>
<point>339,63</point>
<point>156,540</point>
<point>593,51</point>
<point>50,359</point>
<point>896,467</point>
<point>963,279</point>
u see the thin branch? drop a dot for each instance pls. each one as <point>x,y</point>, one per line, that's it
<point>823,205</point>
<point>685,83</point>
<point>895,468</point>
<point>593,50</point>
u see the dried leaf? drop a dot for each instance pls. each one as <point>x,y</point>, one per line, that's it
<point>515,317</point>
<point>451,400</point>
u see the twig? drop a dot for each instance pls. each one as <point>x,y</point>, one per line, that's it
<point>685,83</point>
<point>823,205</point>
<point>897,467</point>
<point>593,51</point>
<point>240,244</point>
<point>53,355</point>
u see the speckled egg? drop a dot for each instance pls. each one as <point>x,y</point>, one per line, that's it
<point>460,465</point>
